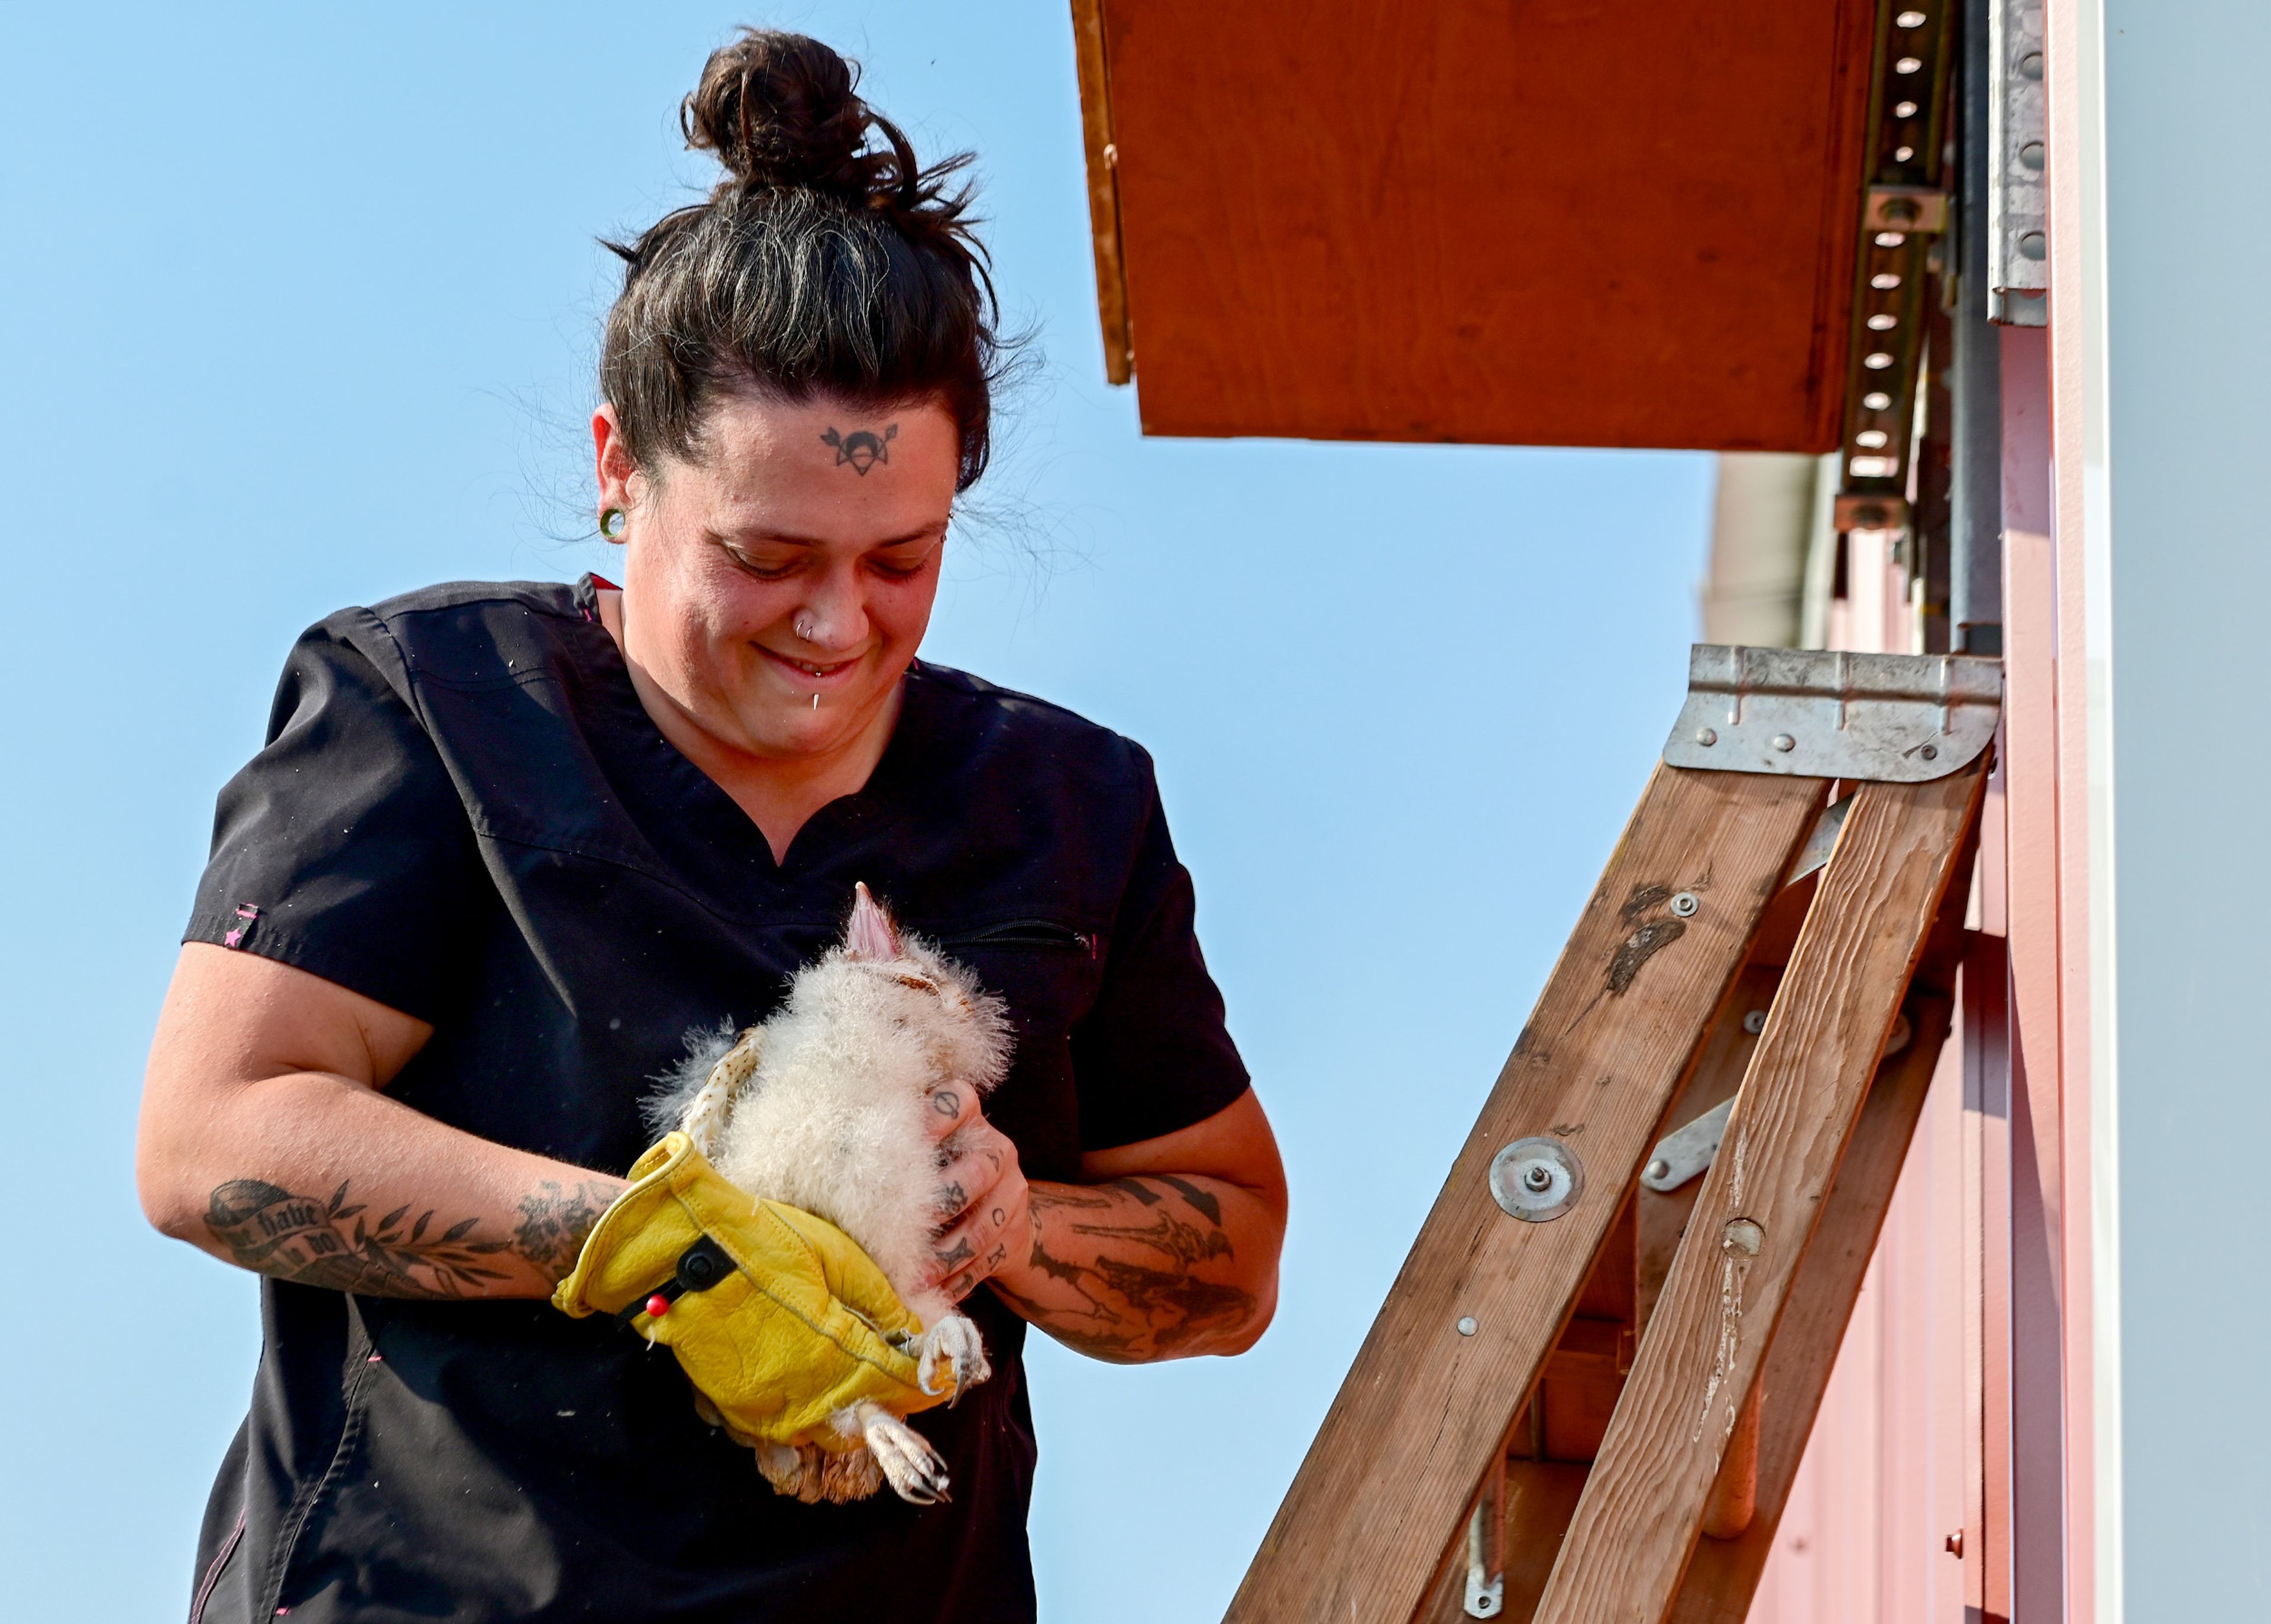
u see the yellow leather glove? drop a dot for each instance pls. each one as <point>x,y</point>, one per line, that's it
<point>777,1317</point>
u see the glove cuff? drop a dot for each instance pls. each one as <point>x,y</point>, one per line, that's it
<point>635,1245</point>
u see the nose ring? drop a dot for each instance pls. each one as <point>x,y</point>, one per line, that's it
<point>804,626</point>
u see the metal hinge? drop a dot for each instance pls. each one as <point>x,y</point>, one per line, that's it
<point>1681,1155</point>
<point>1485,1590</point>
<point>1826,713</point>
<point>1687,1152</point>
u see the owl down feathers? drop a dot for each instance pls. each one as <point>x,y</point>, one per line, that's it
<point>829,1106</point>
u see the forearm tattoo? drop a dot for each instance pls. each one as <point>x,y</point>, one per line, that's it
<point>1136,1295</point>
<point>336,1244</point>
<point>556,1219</point>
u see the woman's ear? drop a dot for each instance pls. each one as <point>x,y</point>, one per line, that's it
<point>613,457</point>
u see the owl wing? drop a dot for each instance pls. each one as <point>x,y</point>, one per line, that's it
<point>705,1122</point>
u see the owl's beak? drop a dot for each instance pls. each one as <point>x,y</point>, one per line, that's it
<point>870,935</point>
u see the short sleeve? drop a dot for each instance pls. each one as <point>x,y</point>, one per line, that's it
<point>1153,1055</point>
<point>343,848</point>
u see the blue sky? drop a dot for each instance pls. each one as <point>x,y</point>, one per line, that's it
<point>299,311</point>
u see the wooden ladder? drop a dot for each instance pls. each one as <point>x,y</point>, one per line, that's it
<point>1588,1392</point>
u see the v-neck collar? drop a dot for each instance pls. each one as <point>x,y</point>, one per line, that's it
<point>716,815</point>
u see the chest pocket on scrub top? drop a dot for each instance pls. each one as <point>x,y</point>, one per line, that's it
<point>1049,973</point>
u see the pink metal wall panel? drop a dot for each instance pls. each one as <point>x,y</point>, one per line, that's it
<point>2035,797</point>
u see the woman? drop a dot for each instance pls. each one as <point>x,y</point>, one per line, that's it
<point>508,845</point>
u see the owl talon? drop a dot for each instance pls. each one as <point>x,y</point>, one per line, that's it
<point>954,1339</point>
<point>908,1461</point>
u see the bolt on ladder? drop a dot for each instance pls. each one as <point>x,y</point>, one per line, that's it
<point>1587,1394</point>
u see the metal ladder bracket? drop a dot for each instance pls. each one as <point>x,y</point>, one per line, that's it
<point>1891,719</point>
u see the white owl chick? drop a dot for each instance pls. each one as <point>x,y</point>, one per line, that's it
<point>828,1106</point>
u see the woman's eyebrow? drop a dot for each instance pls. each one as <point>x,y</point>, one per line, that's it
<point>787,539</point>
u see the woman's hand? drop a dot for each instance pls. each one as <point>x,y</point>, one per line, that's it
<point>984,1217</point>
<point>1165,1248</point>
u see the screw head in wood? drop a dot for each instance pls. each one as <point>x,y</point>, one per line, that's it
<point>1685,903</point>
<point>1537,1179</point>
<point>1467,1325</point>
<point>1743,1236</point>
<point>1755,1022</point>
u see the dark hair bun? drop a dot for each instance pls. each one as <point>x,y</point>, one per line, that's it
<point>828,261</point>
<point>782,110</point>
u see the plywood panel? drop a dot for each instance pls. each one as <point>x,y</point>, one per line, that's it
<point>1535,222</point>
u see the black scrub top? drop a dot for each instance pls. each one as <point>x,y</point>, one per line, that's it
<point>463,813</point>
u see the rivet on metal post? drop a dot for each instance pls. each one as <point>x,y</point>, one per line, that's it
<point>1537,1179</point>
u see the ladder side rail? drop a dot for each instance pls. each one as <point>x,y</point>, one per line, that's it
<point>1642,1512</point>
<point>1722,1576</point>
<point>1542,1489</point>
<point>1394,1467</point>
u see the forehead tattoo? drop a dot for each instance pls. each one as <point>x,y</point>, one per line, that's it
<point>863,447</point>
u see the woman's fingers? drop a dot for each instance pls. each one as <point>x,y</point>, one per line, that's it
<point>982,1243</point>
<point>982,1197</point>
<point>981,1191</point>
<point>952,1106</point>
<point>977,1157</point>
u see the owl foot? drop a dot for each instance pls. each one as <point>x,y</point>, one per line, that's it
<point>955,1338</point>
<point>915,1469</point>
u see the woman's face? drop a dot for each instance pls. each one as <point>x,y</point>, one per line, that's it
<point>776,588</point>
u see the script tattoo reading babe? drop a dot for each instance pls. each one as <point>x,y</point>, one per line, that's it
<point>333,1243</point>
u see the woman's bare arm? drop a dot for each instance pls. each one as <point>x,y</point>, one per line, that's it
<point>267,1140</point>
<point>1169,1247</point>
